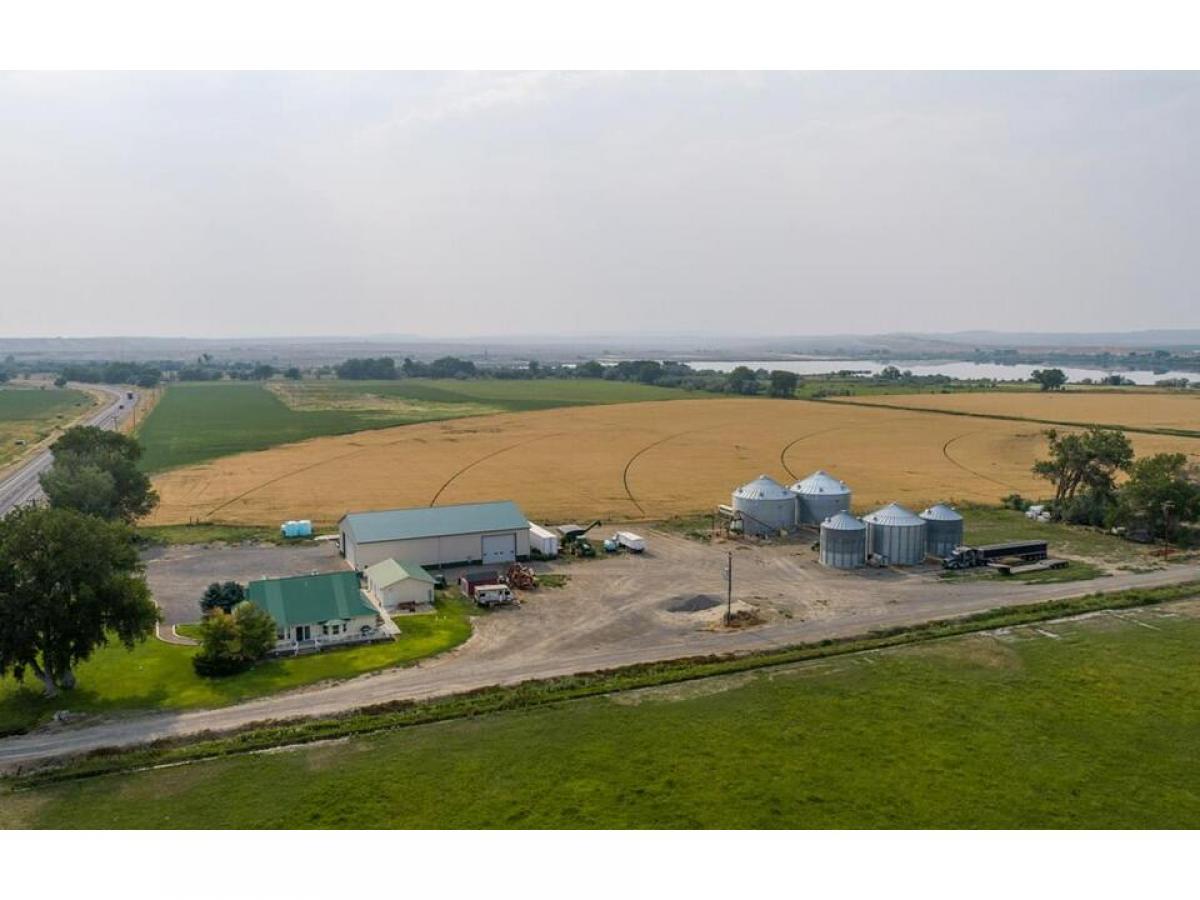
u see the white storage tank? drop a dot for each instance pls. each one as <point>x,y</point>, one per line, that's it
<point>820,496</point>
<point>896,535</point>
<point>767,507</point>
<point>843,542</point>
<point>943,530</point>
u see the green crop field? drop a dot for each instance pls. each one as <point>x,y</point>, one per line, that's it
<point>29,415</point>
<point>195,423</point>
<point>1086,723</point>
<point>156,675</point>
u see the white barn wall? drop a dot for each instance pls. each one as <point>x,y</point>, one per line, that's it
<point>433,551</point>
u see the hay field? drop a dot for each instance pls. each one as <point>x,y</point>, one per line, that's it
<point>622,462</point>
<point>1179,411</point>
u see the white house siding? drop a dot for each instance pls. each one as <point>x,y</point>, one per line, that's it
<point>403,593</point>
<point>445,550</point>
<point>351,632</point>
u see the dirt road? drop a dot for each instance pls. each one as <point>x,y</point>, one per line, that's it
<point>616,612</point>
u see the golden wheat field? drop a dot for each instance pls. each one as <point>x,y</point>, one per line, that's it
<point>1131,409</point>
<point>621,462</point>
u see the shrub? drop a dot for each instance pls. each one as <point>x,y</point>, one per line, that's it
<point>222,596</point>
<point>233,642</point>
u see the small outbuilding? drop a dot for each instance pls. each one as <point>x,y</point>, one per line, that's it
<point>312,611</point>
<point>399,585</point>
<point>466,533</point>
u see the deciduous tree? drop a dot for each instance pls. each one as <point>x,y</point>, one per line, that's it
<point>86,460</point>
<point>69,583</point>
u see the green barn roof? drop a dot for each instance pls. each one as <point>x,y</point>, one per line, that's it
<point>308,599</point>
<point>433,521</point>
<point>390,571</point>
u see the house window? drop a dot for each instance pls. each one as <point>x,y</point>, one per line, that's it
<point>278,635</point>
<point>324,629</point>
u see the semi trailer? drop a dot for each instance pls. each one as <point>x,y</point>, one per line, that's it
<point>970,557</point>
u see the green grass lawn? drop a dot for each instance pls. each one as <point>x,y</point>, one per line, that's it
<point>30,414</point>
<point>1082,724</point>
<point>155,675</point>
<point>194,423</point>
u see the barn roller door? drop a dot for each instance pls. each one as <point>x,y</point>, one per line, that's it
<point>499,548</point>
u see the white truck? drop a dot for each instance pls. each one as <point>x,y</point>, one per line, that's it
<point>630,541</point>
<point>493,595</point>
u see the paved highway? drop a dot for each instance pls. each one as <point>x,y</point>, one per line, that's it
<point>21,486</point>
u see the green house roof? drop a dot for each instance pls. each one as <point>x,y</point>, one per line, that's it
<point>309,599</point>
<point>390,571</point>
<point>433,521</point>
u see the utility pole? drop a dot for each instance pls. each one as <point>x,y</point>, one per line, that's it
<point>1167,507</point>
<point>729,590</point>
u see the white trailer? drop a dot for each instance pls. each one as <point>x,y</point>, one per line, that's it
<point>630,541</point>
<point>543,540</point>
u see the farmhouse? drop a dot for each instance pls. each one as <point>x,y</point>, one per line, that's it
<point>436,535</point>
<point>398,585</point>
<point>312,611</point>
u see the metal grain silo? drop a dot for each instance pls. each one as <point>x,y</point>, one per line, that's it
<point>843,542</point>
<point>820,496</point>
<point>943,530</point>
<point>767,507</point>
<point>896,534</point>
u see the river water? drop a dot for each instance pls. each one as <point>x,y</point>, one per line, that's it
<point>963,370</point>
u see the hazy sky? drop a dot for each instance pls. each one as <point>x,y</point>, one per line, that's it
<point>469,204</point>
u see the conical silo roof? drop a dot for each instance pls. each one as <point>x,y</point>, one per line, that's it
<point>820,482</point>
<point>843,521</point>
<point>893,514</point>
<point>940,512</point>
<point>764,487</point>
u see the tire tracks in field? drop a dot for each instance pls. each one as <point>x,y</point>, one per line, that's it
<point>670,437</point>
<point>791,444</point>
<point>967,469</point>
<point>488,456</point>
<point>270,481</point>
<point>316,465</point>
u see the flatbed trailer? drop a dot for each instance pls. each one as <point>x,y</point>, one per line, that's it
<point>987,554</point>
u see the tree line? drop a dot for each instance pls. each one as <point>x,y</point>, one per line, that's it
<point>1159,494</point>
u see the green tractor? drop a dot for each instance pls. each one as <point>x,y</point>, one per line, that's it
<point>574,539</point>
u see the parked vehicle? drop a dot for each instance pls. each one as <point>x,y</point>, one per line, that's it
<point>611,545</point>
<point>493,595</point>
<point>630,541</point>
<point>969,557</point>
<point>543,541</point>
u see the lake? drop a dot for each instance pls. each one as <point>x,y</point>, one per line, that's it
<point>963,370</point>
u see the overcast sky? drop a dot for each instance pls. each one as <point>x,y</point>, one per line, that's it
<point>473,204</point>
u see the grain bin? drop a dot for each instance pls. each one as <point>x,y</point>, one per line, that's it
<point>843,542</point>
<point>943,530</point>
<point>896,535</point>
<point>820,496</point>
<point>767,507</point>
